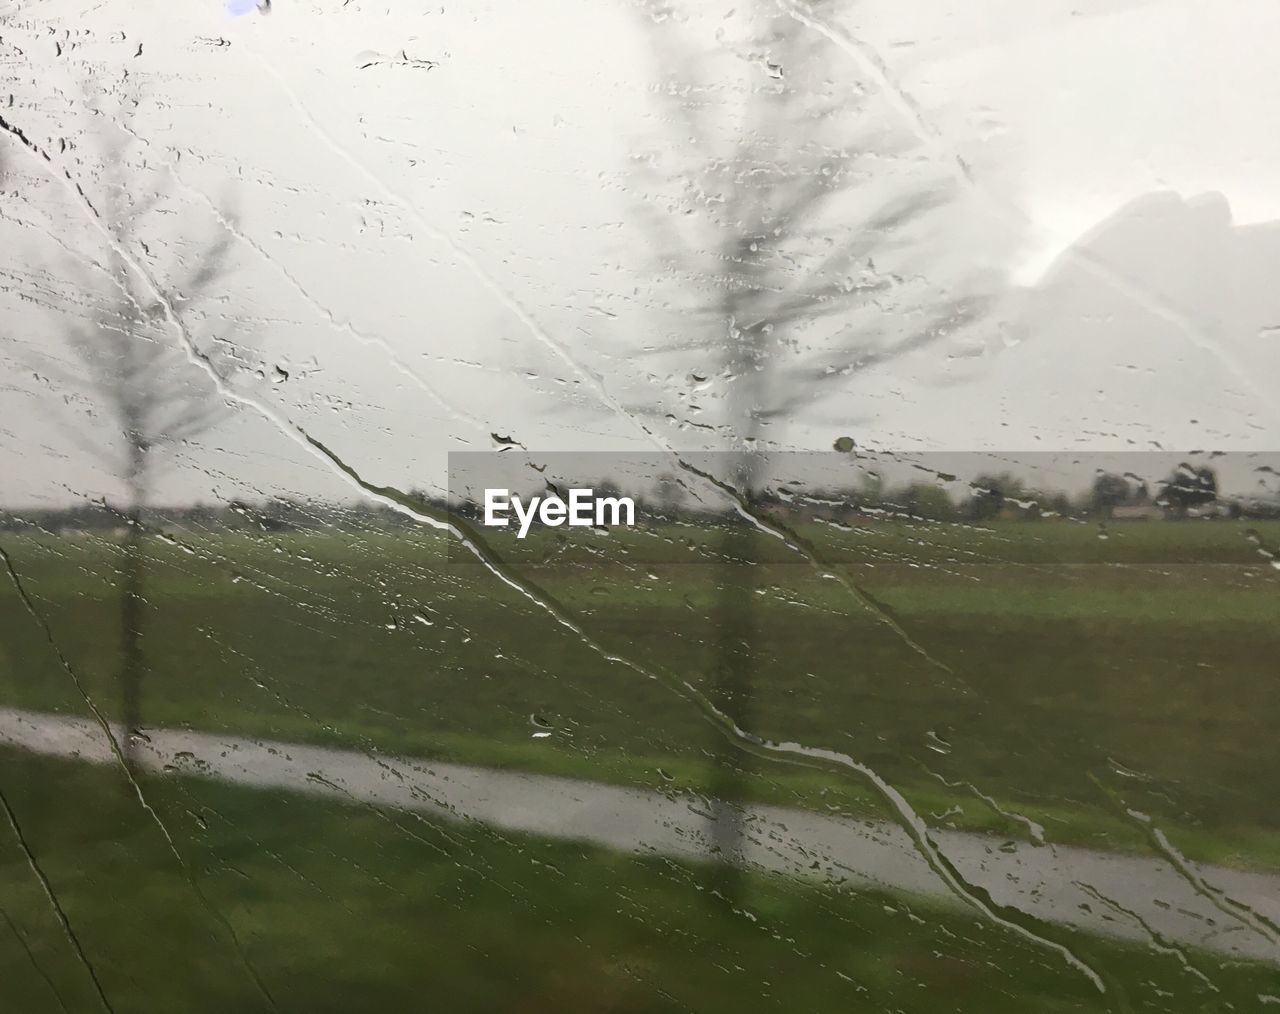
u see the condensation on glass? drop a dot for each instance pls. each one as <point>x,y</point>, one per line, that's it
<point>640,506</point>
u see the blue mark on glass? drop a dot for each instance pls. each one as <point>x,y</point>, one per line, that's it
<point>239,8</point>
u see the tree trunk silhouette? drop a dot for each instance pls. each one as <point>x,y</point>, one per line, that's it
<point>732,690</point>
<point>137,364</point>
<point>791,272</point>
<point>132,605</point>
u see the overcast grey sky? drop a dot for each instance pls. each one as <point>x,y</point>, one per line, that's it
<point>438,234</point>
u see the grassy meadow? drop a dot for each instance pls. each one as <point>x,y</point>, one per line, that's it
<point>1059,672</point>
<point>311,907</point>
<point>1068,676</point>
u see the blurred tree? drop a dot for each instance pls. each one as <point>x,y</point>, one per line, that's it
<point>1058,503</point>
<point>670,494</point>
<point>989,493</point>
<point>154,397</point>
<point>605,488</point>
<point>770,223</point>
<point>1189,487</point>
<point>873,489</point>
<point>925,500</point>
<point>788,216</point>
<point>1108,492</point>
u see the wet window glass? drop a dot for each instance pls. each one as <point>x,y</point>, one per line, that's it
<point>639,506</point>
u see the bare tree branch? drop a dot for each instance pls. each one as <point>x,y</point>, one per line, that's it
<point>776,226</point>
<point>140,376</point>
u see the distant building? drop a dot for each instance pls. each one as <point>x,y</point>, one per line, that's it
<point>1137,512</point>
<point>1210,510</point>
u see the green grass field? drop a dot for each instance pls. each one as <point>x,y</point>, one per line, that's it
<point>338,908</point>
<point>1069,692</point>
<point>1068,678</point>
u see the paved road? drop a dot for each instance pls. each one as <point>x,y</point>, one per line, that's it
<point>1134,897</point>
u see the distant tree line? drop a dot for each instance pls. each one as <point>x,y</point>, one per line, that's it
<point>276,514</point>
<point>1188,491</point>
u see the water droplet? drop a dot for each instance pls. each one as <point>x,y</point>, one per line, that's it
<point>541,727</point>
